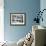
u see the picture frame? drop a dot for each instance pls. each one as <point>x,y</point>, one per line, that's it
<point>17,19</point>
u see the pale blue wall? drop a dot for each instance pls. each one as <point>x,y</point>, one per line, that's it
<point>43,6</point>
<point>30,7</point>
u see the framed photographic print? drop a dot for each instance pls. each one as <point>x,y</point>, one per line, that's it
<point>17,18</point>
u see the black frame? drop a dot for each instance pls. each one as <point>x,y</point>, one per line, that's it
<point>18,24</point>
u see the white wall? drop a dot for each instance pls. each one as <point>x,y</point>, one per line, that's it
<point>1,21</point>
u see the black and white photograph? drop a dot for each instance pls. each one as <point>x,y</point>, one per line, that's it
<point>17,18</point>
